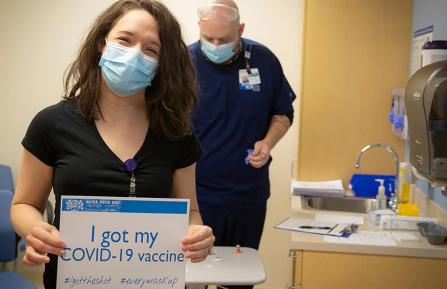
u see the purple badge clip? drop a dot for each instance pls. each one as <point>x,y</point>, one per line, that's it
<point>130,166</point>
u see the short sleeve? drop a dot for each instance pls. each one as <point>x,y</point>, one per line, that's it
<point>190,151</point>
<point>284,95</point>
<point>40,136</point>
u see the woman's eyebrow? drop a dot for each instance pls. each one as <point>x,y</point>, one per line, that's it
<point>151,41</point>
<point>126,32</point>
<point>156,43</point>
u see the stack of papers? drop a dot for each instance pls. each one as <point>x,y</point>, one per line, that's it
<point>343,219</point>
<point>324,188</point>
<point>405,237</point>
<point>365,238</point>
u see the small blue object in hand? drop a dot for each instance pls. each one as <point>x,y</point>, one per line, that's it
<point>249,152</point>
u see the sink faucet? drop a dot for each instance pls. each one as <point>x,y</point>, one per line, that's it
<point>394,197</point>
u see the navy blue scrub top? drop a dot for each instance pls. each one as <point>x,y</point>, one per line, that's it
<point>228,121</point>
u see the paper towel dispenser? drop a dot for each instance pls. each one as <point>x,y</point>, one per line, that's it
<point>426,105</point>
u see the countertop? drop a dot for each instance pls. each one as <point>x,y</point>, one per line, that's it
<point>314,242</point>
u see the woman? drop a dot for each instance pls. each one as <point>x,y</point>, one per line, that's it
<point>128,97</point>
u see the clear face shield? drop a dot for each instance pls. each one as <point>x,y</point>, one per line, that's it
<point>213,11</point>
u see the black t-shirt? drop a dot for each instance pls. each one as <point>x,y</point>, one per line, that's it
<point>84,165</point>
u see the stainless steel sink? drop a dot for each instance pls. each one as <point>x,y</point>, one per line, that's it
<point>347,204</point>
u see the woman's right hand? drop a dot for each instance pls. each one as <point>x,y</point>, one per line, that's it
<point>43,238</point>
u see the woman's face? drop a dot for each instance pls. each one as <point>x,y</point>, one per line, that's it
<point>137,29</point>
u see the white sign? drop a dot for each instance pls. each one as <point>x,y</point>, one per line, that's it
<point>122,243</point>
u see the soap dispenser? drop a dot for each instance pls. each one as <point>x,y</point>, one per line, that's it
<point>381,197</point>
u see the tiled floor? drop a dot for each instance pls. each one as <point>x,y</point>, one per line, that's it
<point>34,274</point>
<point>35,277</point>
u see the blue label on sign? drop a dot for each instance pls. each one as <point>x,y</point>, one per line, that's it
<point>124,206</point>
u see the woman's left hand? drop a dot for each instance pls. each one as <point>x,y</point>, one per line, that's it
<point>198,242</point>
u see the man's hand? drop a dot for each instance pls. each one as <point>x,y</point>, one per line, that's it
<point>260,155</point>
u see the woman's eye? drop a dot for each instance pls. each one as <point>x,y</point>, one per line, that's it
<point>151,51</point>
<point>125,40</point>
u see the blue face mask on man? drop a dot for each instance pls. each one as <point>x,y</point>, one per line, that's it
<point>127,70</point>
<point>218,53</point>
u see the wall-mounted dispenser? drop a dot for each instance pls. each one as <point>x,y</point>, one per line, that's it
<point>426,104</point>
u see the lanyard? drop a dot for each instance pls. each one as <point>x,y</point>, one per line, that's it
<point>247,56</point>
<point>130,166</point>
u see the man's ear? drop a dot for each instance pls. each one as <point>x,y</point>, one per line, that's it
<point>200,22</point>
<point>241,28</point>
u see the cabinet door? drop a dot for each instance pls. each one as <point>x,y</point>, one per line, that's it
<point>323,270</point>
<point>355,53</point>
<point>297,268</point>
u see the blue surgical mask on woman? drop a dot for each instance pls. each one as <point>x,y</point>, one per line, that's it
<point>127,70</point>
<point>218,53</point>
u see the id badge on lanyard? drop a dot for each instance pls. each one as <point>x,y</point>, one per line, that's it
<point>249,78</point>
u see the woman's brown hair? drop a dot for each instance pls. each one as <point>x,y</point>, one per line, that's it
<point>173,93</point>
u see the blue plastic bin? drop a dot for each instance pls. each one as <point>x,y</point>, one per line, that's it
<point>365,186</point>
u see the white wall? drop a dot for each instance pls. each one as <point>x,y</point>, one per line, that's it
<point>40,38</point>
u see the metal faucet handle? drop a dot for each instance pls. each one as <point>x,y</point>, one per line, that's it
<point>394,200</point>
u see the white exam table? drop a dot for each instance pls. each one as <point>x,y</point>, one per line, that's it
<point>227,267</point>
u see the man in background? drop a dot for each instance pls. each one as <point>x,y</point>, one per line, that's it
<point>245,108</point>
